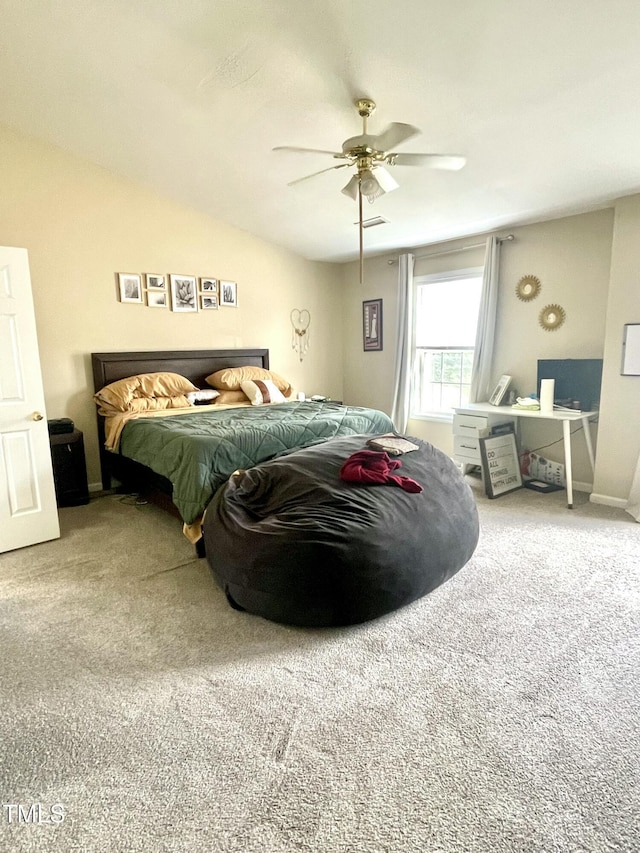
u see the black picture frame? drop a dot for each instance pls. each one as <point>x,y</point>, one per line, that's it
<point>372,325</point>
<point>500,464</point>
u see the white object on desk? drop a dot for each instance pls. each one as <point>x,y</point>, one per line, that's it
<point>488,415</point>
<point>547,390</point>
<point>500,390</point>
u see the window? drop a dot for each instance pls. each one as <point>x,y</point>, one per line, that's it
<point>446,319</point>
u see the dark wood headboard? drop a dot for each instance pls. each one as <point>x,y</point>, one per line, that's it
<point>195,365</point>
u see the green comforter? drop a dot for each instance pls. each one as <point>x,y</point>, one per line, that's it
<point>199,451</point>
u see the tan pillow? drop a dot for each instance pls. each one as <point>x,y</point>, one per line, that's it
<point>152,404</point>
<point>231,378</point>
<point>231,397</point>
<point>262,391</point>
<point>164,385</point>
<point>118,395</point>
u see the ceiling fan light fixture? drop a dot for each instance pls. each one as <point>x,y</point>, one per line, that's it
<point>351,189</point>
<point>369,185</point>
<point>386,181</point>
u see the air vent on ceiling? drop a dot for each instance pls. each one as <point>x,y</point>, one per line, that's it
<point>371,223</point>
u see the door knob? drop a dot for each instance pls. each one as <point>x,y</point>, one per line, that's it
<point>36,416</point>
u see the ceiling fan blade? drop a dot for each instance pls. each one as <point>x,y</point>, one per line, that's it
<point>394,135</point>
<point>431,161</point>
<point>309,151</point>
<point>322,171</point>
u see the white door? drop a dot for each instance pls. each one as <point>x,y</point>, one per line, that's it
<point>28,512</point>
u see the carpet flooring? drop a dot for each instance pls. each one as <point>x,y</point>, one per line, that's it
<point>139,712</point>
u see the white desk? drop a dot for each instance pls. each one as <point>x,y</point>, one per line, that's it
<point>507,413</point>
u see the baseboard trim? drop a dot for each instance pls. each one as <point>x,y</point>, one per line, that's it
<point>607,500</point>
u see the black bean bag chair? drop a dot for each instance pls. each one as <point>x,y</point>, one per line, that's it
<point>291,541</point>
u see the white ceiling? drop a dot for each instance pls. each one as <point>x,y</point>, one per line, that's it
<point>190,96</point>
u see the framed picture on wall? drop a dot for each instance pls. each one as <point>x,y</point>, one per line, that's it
<point>229,293</point>
<point>130,285</point>
<point>184,292</point>
<point>156,281</point>
<point>209,285</point>
<point>209,301</point>
<point>372,324</point>
<point>157,298</point>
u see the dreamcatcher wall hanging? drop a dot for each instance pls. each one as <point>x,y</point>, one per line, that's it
<point>300,321</point>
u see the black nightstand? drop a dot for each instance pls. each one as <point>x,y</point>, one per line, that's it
<point>69,468</point>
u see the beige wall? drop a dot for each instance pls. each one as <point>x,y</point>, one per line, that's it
<point>570,256</point>
<point>619,441</point>
<point>82,225</point>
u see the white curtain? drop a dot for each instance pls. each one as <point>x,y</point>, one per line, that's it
<point>633,504</point>
<point>404,340</point>
<point>481,375</point>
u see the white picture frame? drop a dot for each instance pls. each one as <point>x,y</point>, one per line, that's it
<point>184,293</point>
<point>208,285</point>
<point>156,281</point>
<point>209,302</point>
<point>631,350</point>
<point>500,390</point>
<point>229,293</point>
<point>157,298</point>
<point>130,286</point>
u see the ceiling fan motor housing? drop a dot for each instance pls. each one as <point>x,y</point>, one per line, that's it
<point>363,145</point>
<point>365,107</point>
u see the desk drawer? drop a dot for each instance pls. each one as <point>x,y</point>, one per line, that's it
<point>467,448</point>
<point>472,425</point>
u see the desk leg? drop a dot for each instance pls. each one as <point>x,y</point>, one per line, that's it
<point>566,434</point>
<point>587,438</point>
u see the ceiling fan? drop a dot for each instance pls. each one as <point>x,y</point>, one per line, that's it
<point>370,154</point>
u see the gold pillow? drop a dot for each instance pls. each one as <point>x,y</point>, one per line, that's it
<point>153,404</point>
<point>164,385</point>
<point>231,378</point>
<point>231,397</point>
<point>119,395</point>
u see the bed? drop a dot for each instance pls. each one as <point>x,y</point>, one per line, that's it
<point>189,456</point>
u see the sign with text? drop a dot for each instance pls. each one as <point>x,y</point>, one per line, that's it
<point>500,464</point>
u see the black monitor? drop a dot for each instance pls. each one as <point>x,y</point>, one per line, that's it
<point>577,381</point>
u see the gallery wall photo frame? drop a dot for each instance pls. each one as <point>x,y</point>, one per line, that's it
<point>631,350</point>
<point>157,298</point>
<point>228,293</point>
<point>209,301</point>
<point>130,287</point>
<point>372,325</point>
<point>184,293</point>
<point>156,281</point>
<point>208,285</point>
